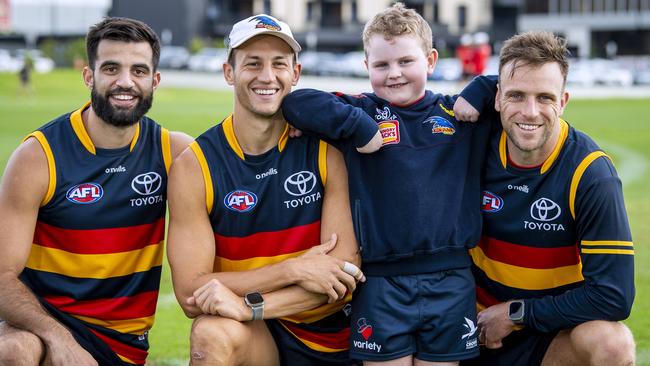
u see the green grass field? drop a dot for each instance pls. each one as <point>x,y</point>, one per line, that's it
<point>619,125</point>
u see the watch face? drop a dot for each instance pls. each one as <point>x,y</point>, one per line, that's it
<point>254,298</point>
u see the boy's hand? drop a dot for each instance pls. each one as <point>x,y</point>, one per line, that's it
<point>294,132</point>
<point>464,111</point>
<point>373,145</point>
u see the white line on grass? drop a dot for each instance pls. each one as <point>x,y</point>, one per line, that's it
<point>630,164</point>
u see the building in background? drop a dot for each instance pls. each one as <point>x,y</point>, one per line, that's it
<point>593,27</point>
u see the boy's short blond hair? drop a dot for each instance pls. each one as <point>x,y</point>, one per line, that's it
<point>399,21</point>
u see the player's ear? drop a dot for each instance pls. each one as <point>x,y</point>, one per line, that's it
<point>228,73</point>
<point>87,75</point>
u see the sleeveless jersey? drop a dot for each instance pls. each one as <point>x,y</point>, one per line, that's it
<point>98,243</point>
<point>547,230</point>
<point>265,209</point>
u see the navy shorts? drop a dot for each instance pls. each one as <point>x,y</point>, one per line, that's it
<point>430,316</point>
<point>295,353</point>
<point>521,348</point>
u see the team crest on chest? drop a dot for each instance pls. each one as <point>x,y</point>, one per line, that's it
<point>240,201</point>
<point>440,125</point>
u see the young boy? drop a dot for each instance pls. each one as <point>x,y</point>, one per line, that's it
<point>415,202</point>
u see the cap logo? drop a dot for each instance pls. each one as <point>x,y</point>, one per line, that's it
<point>266,22</point>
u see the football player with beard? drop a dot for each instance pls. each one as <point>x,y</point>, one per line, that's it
<point>83,206</point>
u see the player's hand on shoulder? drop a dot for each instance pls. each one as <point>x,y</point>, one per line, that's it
<point>294,132</point>
<point>463,111</point>
<point>214,298</point>
<point>373,145</point>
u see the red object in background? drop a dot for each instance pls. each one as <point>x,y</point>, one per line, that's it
<point>465,55</point>
<point>480,56</point>
<point>5,16</point>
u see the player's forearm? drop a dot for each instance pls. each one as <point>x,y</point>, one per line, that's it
<point>586,303</point>
<point>289,301</point>
<point>264,279</point>
<point>20,308</point>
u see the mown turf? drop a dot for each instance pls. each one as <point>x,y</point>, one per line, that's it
<point>620,125</point>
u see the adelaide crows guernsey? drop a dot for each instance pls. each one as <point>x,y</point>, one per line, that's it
<point>267,208</point>
<point>98,243</point>
<point>556,235</point>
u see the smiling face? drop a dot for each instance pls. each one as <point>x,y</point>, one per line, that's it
<point>263,73</point>
<point>531,100</point>
<point>398,68</point>
<point>122,81</point>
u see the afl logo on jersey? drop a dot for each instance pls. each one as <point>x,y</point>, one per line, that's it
<point>490,202</point>
<point>240,201</point>
<point>85,193</point>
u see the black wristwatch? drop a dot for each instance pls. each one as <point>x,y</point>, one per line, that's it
<point>255,301</point>
<point>516,311</point>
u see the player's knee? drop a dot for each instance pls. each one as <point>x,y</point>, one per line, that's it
<point>20,349</point>
<point>212,336</point>
<point>608,343</point>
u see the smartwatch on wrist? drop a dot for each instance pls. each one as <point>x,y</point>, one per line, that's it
<point>516,311</point>
<point>255,301</point>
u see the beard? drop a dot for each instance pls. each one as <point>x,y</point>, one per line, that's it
<point>116,116</point>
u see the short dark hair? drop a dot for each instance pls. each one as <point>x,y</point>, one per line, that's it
<point>121,29</point>
<point>535,48</point>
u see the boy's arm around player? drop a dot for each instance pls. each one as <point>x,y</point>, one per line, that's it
<point>24,186</point>
<point>301,283</point>
<point>332,117</point>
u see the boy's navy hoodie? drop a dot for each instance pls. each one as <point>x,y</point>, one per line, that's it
<point>416,202</point>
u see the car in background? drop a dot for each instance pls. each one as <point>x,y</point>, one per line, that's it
<point>8,63</point>
<point>173,57</point>
<point>208,59</point>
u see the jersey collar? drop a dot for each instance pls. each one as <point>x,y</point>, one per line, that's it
<point>80,130</point>
<point>229,131</point>
<point>564,132</point>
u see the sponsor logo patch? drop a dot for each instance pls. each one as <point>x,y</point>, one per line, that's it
<point>490,202</point>
<point>85,193</point>
<point>146,184</point>
<point>301,185</point>
<point>240,201</point>
<point>366,332</point>
<point>389,132</point>
<point>440,125</point>
<point>470,337</point>
<point>545,210</point>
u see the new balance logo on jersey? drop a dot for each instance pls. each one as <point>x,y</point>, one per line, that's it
<point>543,211</point>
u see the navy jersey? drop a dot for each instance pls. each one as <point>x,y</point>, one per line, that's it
<point>265,209</point>
<point>98,243</point>
<point>413,201</point>
<point>556,235</point>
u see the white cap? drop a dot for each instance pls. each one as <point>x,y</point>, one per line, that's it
<point>257,25</point>
<point>481,38</point>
